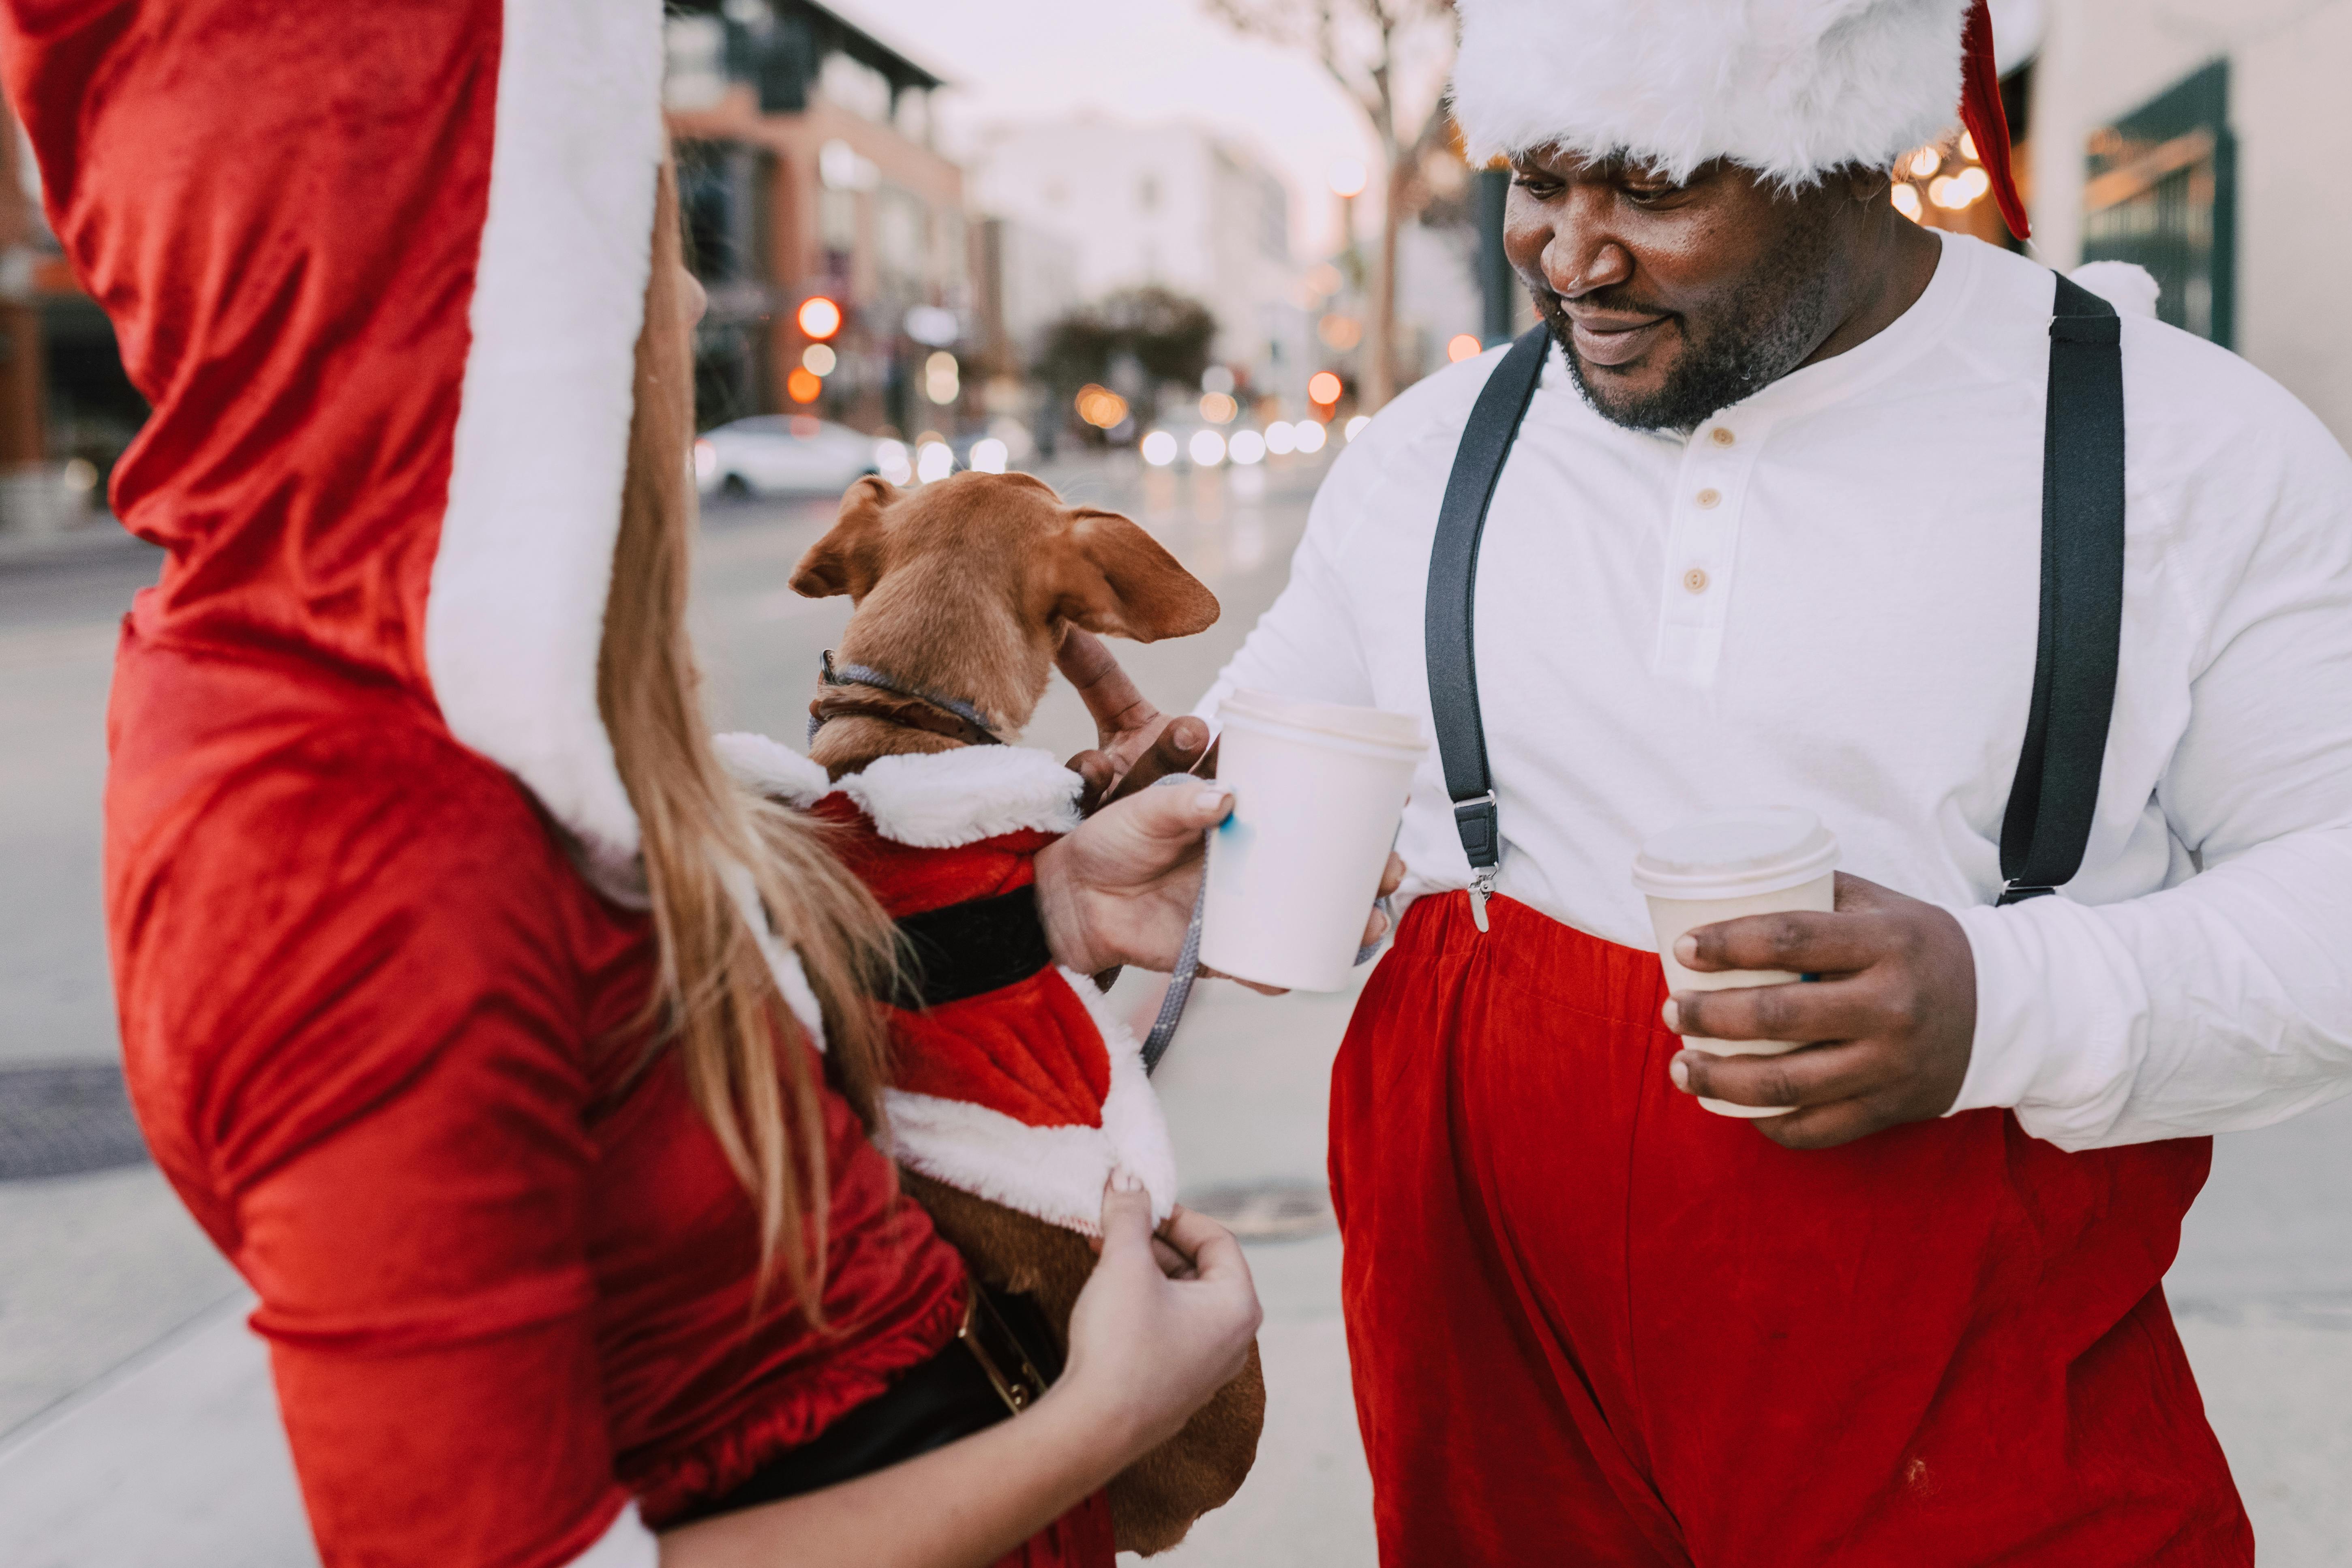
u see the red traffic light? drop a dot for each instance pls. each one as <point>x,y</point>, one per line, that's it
<point>820,318</point>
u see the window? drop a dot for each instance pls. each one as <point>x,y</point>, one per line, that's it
<point>859,89</point>
<point>901,231</point>
<point>2163,192</point>
<point>694,62</point>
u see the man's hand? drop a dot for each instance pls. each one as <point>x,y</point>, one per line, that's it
<point>1136,742</point>
<point>1894,1010</point>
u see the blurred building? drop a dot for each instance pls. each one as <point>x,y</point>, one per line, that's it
<point>67,411</point>
<point>2192,137</point>
<point>808,171</point>
<point>1168,205</point>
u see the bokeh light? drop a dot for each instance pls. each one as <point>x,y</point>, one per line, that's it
<point>819,317</point>
<point>988,455</point>
<point>1280,439</point>
<point>1355,426</point>
<point>1159,448</point>
<point>1219,408</point>
<point>890,459</point>
<point>1323,387</point>
<point>1349,177</point>
<point>933,460</point>
<point>1207,448</point>
<point>818,360</point>
<point>1101,407</point>
<point>1339,333</point>
<point>1248,446</point>
<point>803,385</point>
<point>1308,435</point>
<point>1461,346</point>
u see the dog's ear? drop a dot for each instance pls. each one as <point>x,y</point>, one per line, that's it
<point>848,559</point>
<point>1115,579</point>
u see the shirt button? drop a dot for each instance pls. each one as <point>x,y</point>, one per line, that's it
<point>1709,499</point>
<point>1721,436</point>
<point>1694,580</point>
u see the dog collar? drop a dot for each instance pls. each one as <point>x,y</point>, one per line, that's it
<point>955,717</point>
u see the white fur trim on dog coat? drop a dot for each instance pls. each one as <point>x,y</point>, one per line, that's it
<point>1054,1173</point>
<point>944,800</point>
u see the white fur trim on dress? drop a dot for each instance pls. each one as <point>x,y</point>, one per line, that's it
<point>773,768</point>
<point>784,963</point>
<point>941,800</point>
<point>516,610</point>
<point>1054,1173</point>
<point>1792,89</point>
<point>627,1544</point>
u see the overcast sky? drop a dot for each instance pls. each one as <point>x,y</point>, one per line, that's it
<point>1141,59</point>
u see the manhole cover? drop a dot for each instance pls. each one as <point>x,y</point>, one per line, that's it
<point>62,1121</point>
<point>1270,1211</point>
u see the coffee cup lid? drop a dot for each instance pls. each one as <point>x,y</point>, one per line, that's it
<point>1731,854</point>
<point>1376,725</point>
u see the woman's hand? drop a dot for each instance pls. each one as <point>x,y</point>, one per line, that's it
<point>1149,1347</point>
<point>1137,743</point>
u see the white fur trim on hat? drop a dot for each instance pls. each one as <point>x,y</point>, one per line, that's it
<point>942,800</point>
<point>1791,89</point>
<point>2130,288</point>
<point>773,768</point>
<point>1054,1173</point>
<point>515,614</point>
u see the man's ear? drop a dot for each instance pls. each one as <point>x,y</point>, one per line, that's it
<point>1116,580</point>
<point>847,560</point>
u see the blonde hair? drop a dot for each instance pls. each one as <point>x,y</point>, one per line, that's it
<point>715,1000</point>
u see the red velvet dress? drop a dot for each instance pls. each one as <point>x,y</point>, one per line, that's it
<point>384,1040</point>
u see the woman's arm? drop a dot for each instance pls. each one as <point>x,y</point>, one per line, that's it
<point>1146,1350</point>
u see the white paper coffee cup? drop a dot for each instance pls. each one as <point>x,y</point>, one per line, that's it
<point>1720,866</point>
<point>1317,790</point>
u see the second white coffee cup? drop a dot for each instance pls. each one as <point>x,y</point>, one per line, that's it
<point>1317,790</point>
<point>1720,866</point>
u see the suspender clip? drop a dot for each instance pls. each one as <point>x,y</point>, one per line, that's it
<point>1477,821</point>
<point>2018,892</point>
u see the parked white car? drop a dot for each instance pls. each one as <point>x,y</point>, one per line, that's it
<point>781,454</point>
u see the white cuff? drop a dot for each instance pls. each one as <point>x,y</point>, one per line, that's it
<point>627,1544</point>
<point>2061,1010</point>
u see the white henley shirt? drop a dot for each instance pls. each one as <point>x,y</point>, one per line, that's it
<point>1826,596</point>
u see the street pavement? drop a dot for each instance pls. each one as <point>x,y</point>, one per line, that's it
<point>136,1424</point>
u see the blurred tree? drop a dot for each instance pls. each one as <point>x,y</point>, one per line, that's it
<point>1367,45</point>
<point>1165,334</point>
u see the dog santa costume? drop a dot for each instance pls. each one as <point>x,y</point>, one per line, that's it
<point>381,955</point>
<point>1012,1078</point>
<point>1590,1321</point>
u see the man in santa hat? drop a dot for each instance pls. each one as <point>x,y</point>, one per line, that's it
<point>1793,503</point>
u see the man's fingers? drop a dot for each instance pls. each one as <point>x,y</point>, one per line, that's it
<point>1826,1126</point>
<point>1813,1076</point>
<point>1799,941</point>
<point>1173,1263</point>
<point>1110,694</point>
<point>1206,972</point>
<point>1798,1011</point>
<point>1097,771</point>
<point>1175,751</point>
<point>1393,875</point>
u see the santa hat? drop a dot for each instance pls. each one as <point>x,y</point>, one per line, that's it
<point>1791,89</point>
<point>391,364</point>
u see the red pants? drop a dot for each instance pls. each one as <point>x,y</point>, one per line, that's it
<point>1079,1539</point>
<point>1592,1324</point>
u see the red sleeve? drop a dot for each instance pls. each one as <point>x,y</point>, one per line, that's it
<point>355,1028</point>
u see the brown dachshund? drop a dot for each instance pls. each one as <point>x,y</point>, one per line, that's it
<point>964,590</point>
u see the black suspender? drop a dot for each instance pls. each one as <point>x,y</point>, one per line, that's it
<point>2048,822</point>
<point>1450,612</point>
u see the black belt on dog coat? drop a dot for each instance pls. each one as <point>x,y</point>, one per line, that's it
<point>970,949</point>
<point>2047,825</point>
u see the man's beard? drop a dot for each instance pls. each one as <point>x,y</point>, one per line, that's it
<point>1760,333</point>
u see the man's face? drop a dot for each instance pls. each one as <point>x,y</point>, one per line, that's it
<point>1674,301</point>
